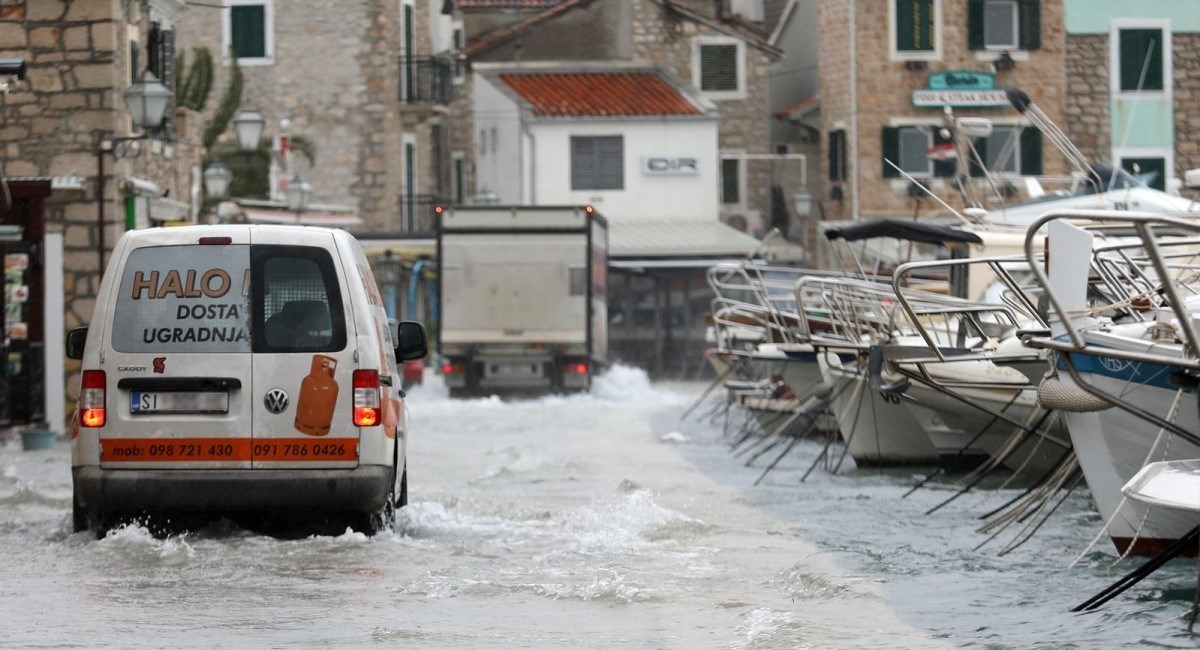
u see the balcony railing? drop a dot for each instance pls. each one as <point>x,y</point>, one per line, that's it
<point>417,215</point>
<point>426,80</point>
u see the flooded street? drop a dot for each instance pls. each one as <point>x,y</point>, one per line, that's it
<point>592,521</point>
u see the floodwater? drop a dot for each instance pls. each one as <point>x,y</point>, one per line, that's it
<point>594,521</point>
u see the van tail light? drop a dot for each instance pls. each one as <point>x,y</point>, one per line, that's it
<point>366,398</point>
<point>91,399</point>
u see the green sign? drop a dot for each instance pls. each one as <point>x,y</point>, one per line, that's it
<point>962,80</point>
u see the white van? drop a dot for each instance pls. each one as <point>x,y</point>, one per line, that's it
<point>240,369</point>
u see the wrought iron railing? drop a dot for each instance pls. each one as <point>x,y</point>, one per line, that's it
<point>426,80</point>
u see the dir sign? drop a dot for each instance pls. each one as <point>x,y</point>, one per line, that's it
<point>668,165</point>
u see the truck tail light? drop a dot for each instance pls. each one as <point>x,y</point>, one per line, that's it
<point>453,368</point>
<point>577,368</point>
<point>366,398</point>
<point>91,399</point>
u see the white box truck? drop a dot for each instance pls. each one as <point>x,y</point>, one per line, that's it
<point>522,295</point>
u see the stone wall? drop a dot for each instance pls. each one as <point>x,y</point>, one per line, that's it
<point>833,64</point>
<point>1088,102</point>
<point>1186,61</point>
<point>335,77</point>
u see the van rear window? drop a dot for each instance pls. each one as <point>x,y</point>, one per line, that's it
<point>184,299</point>
<point>201,299</point>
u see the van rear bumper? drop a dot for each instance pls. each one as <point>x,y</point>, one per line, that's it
<point>361,489</point>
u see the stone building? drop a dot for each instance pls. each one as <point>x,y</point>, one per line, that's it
<point>360,80</point>
<point>890,70</point>
<point>1117,112</point>
<point>70,181</point>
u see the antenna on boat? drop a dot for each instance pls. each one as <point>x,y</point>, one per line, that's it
<point>927,191</point>
<point>1036,116</point>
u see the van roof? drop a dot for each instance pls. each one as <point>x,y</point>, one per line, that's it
<point>256,233</point>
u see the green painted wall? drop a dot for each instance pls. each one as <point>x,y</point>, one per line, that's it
<point>1092,16</point>
<point>1150,124</point>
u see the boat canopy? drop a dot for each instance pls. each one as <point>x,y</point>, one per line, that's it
<point>899,229</point>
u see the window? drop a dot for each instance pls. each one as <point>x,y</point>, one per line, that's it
<point>731,180</point>
<point>1140,50</point>
<point>1004,24</point>
<point>837,155</point>
<point>597,163</point>
<point>297,303</point>
<point>717,65</point>
<point>249,30</point>
<point>1153,170</point>
<point>915,23</point>
<point>908,147</point>
<point>1011,149</point>
<point>460,177</point>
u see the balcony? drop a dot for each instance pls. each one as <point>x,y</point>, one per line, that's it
<point>426,82</point>
<point>417,215</point>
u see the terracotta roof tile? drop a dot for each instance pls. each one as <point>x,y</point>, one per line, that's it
<point>598,94</point>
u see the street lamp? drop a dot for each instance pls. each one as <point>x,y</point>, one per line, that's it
<point>216,180</point>
<point>248,125</point>
<point>298,192</point>
<point>802,201</point>
<point>147,101</point>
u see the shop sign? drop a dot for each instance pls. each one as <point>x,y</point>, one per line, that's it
<point>960,89</point>
<point>660,165</point>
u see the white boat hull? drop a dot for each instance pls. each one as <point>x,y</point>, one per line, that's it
<point>1113,445</point>
<point>878,430</point>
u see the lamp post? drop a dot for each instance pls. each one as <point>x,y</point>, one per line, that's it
<point>298,192</point>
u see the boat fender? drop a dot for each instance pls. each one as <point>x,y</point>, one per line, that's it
<point>1054,394</point>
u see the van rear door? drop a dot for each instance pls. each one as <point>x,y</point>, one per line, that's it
<point>303,360</point>
<point>178,358</point>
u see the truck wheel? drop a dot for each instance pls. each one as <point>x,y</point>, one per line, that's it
<point>79,517</point>
<point>99,523</point>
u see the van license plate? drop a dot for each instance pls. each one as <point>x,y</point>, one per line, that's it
<point>176,402</point>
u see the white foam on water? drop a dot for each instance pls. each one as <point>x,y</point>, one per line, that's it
<point>625,526</point>
<point>136,540</point>
<point>606,586</point>
<point>623,384</point>
<point>768,628</point>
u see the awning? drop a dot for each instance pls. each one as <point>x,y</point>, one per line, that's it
<point>307,218</point>
<point>692,238</point>
<point>164,209</point>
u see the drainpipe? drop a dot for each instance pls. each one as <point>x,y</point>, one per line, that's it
<point>854,108</point>
<point>101,151</point>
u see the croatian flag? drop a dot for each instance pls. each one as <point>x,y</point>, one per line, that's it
<point>942,152</point>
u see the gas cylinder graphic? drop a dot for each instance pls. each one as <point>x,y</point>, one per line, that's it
<point>318,395</point>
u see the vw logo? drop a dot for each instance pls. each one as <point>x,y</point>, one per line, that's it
<point>276,400</point>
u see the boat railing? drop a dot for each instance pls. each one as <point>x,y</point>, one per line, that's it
<point>1148,228</point>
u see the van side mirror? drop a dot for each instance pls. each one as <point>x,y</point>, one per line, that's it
<point>410,344</point>
<point>76,339</point>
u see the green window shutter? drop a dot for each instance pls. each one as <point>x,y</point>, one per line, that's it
<point>1031,152</point>
<point>943,168</point>
<point>1030,24</point>
<point>976,167</point>
<point>718,67</point>
<point>915,25</point>
<point>891,151</point>
<point>729,181</point>
<point>1135,46</point>
<point>248,25</point>
<point>837,155</point>
<point>975,33</point>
